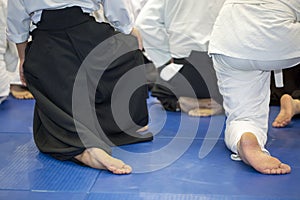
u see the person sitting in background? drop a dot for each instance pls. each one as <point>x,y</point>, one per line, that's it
<point>171,30</point>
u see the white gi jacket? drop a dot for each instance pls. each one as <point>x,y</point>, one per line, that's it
<point>116,11</point>
<point>277,39</point>
<point>136,6</point>
<point>8,56</point>
<point>173,28</point>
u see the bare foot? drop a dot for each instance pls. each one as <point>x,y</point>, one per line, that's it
<point>20,92</point>
<point>145,128</point>
<point>205,112</point>
<point>99,159</point>
<point>251,153</point>
<point>187,103</point>
<point>288,108</point>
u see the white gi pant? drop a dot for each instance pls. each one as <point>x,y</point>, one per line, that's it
<point>5,80</point>
<point>245,87</point>
<point>9,73</point>
<point>9,70</point>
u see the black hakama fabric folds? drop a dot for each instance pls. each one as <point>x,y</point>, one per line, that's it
<point>61,42</point>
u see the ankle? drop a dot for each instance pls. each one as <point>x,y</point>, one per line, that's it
<point>249,141</point>
<point>296,106</point>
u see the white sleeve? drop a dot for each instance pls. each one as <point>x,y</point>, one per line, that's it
<point>2,37</point>
<point>298,15</point>
<point>151,24</point>
<point>2,33</point>
<point>18,21</point>
<point>135,6</point>
<point>294,4</point>
<point>120,15</point>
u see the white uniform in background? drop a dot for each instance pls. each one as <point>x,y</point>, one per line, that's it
<point>115,11</point>
<point>134,7</point>
<point>173,28</point>
<point>250,38</point>
<point>9,73</point>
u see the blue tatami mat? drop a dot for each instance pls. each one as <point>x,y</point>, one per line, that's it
<point>16,116</point>
<point>186,160</point>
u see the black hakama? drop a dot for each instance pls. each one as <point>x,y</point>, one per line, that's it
<point>197,72</point>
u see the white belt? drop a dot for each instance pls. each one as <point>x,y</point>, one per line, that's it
<point>170,71</point>
<point>278,78</point>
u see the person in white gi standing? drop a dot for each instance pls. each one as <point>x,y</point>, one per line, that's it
<point>249,39</point>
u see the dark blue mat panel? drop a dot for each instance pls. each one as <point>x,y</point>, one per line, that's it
<point>170,124</point>
<point>216,174</point>
<point>186,160</point>
<point>16,115</point>
<point>24,168</point>
<point>158,196</point>
<point>40,195</point>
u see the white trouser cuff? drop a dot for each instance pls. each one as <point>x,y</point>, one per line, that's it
<point>236,129</point>
<point>236,156</point>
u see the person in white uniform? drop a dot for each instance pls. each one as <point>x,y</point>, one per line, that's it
<point>64,35</point>
<point>251,38</point>
<point>9,73</point>
<point>5,80</point>
<point>171,30</point>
